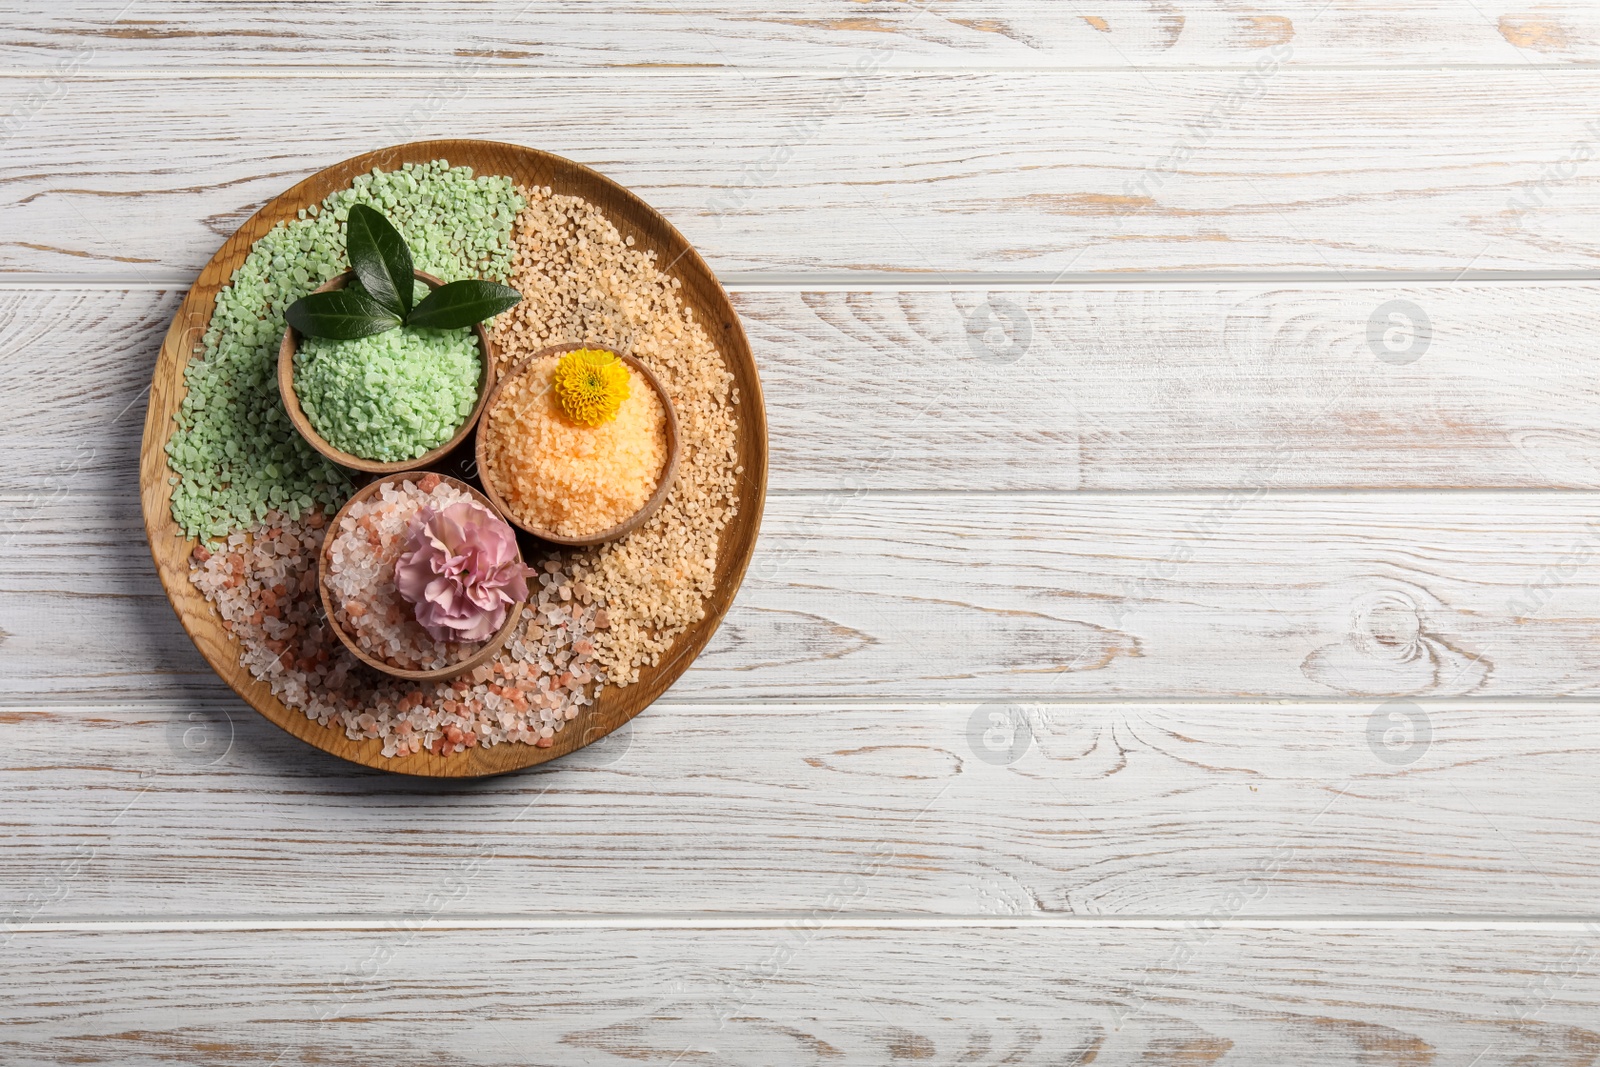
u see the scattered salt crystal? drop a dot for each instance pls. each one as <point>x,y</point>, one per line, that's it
<point>341,693</point>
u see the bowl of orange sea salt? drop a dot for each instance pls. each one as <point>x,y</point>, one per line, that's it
<point>578,445</point>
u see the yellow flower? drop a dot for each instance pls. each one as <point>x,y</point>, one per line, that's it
<point>590,385</point>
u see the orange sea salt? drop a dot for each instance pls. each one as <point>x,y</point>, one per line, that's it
<point>574,481</point>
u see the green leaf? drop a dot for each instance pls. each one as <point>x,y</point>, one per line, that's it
<point>340,315</point>
<point>380,258</point>
<point>450,307</point>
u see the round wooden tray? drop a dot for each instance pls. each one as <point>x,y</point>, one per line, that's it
<point>700,291</point>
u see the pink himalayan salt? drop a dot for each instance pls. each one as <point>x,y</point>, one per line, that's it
<point>264,586</point>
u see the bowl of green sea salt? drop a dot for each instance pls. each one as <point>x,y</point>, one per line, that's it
<point>391,401</point>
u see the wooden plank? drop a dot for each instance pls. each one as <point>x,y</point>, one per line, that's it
<point>1020,34</point>
<point>1091,172</point>
<point>903,596</point>
<point>1064,811</point>
<point>803,995</point>
<point>1134,388</point>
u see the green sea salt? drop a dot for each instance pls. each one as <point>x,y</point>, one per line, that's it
<point>391,396</point>
<point>235,453</point>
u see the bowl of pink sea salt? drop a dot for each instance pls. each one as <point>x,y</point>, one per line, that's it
<point>578,445</point>
<point>421,577</point>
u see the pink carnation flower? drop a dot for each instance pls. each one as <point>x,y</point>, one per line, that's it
<point>461,570</point>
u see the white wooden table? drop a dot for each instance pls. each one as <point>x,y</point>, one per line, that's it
<point>1174,636</point>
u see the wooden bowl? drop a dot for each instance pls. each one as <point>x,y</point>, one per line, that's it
<point>483,655</point>
<point>621,529</point>
<point>297,416</point>
<point>701,294</point>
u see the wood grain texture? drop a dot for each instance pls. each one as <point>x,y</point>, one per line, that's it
<point>1138,388</point>
<point>789,859</point>
<point>1036,34</point>
<point>906,596</point>
<point>806,995</point>
<point>1098,172</point>
<point>1102,811</point>
<point>701,297</point>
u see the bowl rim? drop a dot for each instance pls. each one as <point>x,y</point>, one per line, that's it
<point>490,647</point>
<point>302,424</point>
<point>664,484</point>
